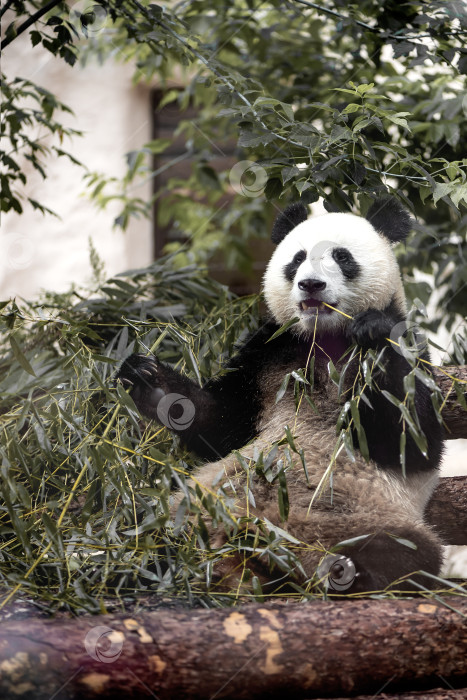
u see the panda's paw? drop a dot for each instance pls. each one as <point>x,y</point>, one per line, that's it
<point>369,329</point>
<point>145,378</point>
<point>140,369</point>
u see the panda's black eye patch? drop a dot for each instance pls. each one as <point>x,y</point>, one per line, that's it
<point>299,257</point>
<point>347,263</point>
<point>341,255</point>
<point>291,268</point>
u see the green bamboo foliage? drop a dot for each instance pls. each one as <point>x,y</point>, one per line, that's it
<point>84,484</point>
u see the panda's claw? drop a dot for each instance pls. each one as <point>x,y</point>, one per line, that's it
<point>138,369</point>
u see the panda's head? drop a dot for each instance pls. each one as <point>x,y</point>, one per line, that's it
<point>341,259</point>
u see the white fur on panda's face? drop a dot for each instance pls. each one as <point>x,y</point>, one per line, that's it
<point>336,258</point>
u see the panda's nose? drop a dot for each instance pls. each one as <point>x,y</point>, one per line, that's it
<point>311,285</point>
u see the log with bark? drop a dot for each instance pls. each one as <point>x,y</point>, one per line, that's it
<point>454,415</point>
<point>274,650</point>
<point>436,694</point>
<point>447,510</point>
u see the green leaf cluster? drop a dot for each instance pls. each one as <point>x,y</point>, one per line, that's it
<point>28,109</point>
<point>331,101</point>
<point>84,484</point>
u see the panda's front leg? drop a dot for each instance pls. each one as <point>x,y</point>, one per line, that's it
<point>162,394</point>
<point>372,328</point>
<point>381,420</point>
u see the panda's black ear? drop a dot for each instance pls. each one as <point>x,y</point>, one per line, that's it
<point>390,218</point>
<point>292,215</point>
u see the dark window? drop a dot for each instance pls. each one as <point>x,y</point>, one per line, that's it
<point>175,162</point>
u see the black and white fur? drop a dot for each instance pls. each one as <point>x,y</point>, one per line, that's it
<point>346,261</point>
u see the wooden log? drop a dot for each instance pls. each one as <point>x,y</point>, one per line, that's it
<point>436,694</point>
<point>257,651</point>
<point>447,510</point>
<point>455,417</point>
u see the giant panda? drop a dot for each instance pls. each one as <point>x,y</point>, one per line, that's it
<point>332,283</point>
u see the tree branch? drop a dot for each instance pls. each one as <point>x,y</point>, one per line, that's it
<point>374,29</point>
<point>6,7</point>
<point>29,22</point>
<point>338,15</point>
<point>224,79</point>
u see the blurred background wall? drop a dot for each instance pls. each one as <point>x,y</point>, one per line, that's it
<point>39,251</point>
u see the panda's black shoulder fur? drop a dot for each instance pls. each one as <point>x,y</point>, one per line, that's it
<point>390,218</point>
<point>287,220</point>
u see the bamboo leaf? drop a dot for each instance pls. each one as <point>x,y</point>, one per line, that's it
<point>17,352</point>
<point>283,329</point>
<point>283,387</point>
<point>283,496</point>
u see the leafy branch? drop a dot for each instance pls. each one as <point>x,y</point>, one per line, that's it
<point>32,19</point>
<point>375,29</point>
<point>16,128</point>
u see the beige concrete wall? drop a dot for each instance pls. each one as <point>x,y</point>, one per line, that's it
<point>39,251</point>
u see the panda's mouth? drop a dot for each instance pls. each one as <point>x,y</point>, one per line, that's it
<point>311,305</point>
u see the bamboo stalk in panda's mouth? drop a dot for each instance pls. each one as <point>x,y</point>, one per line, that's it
<point>338,310</point>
